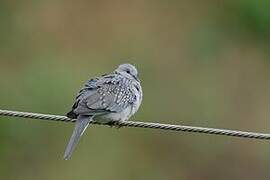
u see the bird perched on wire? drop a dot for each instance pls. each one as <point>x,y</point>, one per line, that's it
<point>107,99</point>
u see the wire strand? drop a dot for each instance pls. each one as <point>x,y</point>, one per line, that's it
<point>224,132</point>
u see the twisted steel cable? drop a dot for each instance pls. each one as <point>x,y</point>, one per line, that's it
<point>225,132</point>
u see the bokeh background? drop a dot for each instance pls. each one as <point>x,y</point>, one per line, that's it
<point>203,63</point>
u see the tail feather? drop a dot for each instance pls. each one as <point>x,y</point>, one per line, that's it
<point>80,126</point>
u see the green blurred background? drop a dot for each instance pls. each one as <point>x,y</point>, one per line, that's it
<point>203,63</point>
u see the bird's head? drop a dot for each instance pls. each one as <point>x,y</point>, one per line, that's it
<point>128,70</point>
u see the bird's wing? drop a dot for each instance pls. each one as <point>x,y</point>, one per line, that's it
<point>110,93</point>
<point>80,126</point>
<point>106,94</point>
<point>89,86</point>
<point>114,94</point>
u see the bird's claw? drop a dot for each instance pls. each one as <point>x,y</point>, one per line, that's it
<point>115,124</point>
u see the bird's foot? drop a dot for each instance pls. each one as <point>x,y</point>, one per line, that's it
<point>111,124</point>
<point>116,124</point>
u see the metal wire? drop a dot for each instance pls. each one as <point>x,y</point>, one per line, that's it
<point>193,129</point>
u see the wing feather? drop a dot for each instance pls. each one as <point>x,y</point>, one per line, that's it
<point>110,93</point>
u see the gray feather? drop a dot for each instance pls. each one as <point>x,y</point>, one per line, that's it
<point>80,126</point>
<point>113,97</point>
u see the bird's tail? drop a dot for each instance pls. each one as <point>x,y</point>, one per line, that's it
<point>80,126</point>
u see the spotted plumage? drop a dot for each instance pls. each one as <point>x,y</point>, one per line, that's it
<point>111,97</point>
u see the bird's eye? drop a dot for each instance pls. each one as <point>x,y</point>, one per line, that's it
<point>128,71</point>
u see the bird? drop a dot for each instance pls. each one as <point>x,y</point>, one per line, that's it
<point>106,99</point>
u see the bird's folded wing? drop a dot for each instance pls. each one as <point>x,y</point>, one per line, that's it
<point>109,98</point>
<point>104,95</point>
